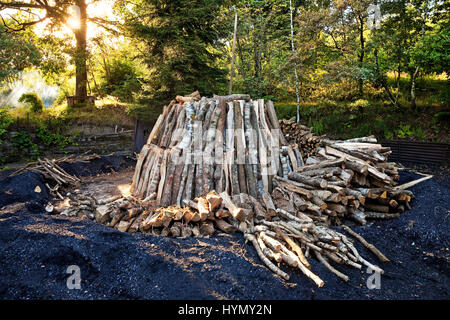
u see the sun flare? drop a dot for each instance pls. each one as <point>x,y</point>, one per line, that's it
<point>73,23</point>
<point>102,10</point>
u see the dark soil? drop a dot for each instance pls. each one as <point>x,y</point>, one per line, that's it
<point>36,249</point>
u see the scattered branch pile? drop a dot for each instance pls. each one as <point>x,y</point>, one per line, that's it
<point>52,171</point>
<point>40,166</point>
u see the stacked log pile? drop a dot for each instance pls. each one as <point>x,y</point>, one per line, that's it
<point>222,164</point>
<point>261,185</point>
<point>347,179</point>
<point>301,138</point>
<point>200,217</point>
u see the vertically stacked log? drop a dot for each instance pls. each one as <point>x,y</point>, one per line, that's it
<point>198,145</point>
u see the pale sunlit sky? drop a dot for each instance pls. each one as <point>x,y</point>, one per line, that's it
<point>101,9</point>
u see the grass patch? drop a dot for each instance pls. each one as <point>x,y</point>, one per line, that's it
<point>106,112</point>
<point>346,120</point>
<point>374,115</point>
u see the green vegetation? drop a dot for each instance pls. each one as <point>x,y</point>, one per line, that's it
<point>33,101</point>
<point>179,40</point>
<point>5,121</point>
<point>362,117</point>
<point>122,80</point>
<point>16,54</point>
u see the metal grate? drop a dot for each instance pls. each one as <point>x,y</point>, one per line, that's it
<point>418,152</point>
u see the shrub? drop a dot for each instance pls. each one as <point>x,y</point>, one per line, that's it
<point>5,121</point>
<point>286,110</point>
<point>122,80</point>
<point>49,138</point>
<point>442,116</point>
<point>359,104</point>
<point>33,100</point>
<point>22,142</point>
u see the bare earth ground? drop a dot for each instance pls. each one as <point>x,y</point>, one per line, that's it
<point>36,249</point>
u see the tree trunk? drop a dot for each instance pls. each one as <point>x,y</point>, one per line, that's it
<point>81,53</point>
<point>230,89</point>
<point>383,82</point>
<point>413,88</point>
<point>361,55</point>
<point>295,64</point>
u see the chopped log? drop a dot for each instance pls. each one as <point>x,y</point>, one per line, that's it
<point>224,226</point>
<point>314,182</point>
<point>222,214</point>
<point>123,226</point>
<point>116,219</point>
<point>137,222</point>
<point>369,139</point>
<point>376,207</point>
<point>259,210</point>
<point>191,204</point>
<point>293,186</point>
<point>207,228</point>
<point>268,203</point>
<point>295,248</point>
<point>372,170</point>
<point>166,195</point>
<point>233,97</point>
<point>412,183</point>
<point>276,256</point>
<point>380,215</point>
<point>203,208</point>
<point>237,213</point>
<point>321,165</point>
<point>186,231</point>
<point>102,214</point>
<point>175,230</point>
<point>329,267</point>
<point>338,208</point>
<point>357,216</point>
<point>214,200</point>
<point>240,146</point>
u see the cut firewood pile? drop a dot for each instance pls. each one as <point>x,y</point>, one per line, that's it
<point>342,179</point>
<point>222,164</point>
<point>301,138</point>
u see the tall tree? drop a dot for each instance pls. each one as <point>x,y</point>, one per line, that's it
<point>177,40</point>
<point>29,13</point>
<point>16,54</point>
<point>263,46</point>
<point>403,42</point>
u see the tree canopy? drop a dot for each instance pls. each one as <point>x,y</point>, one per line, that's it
<point>152,50</point>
